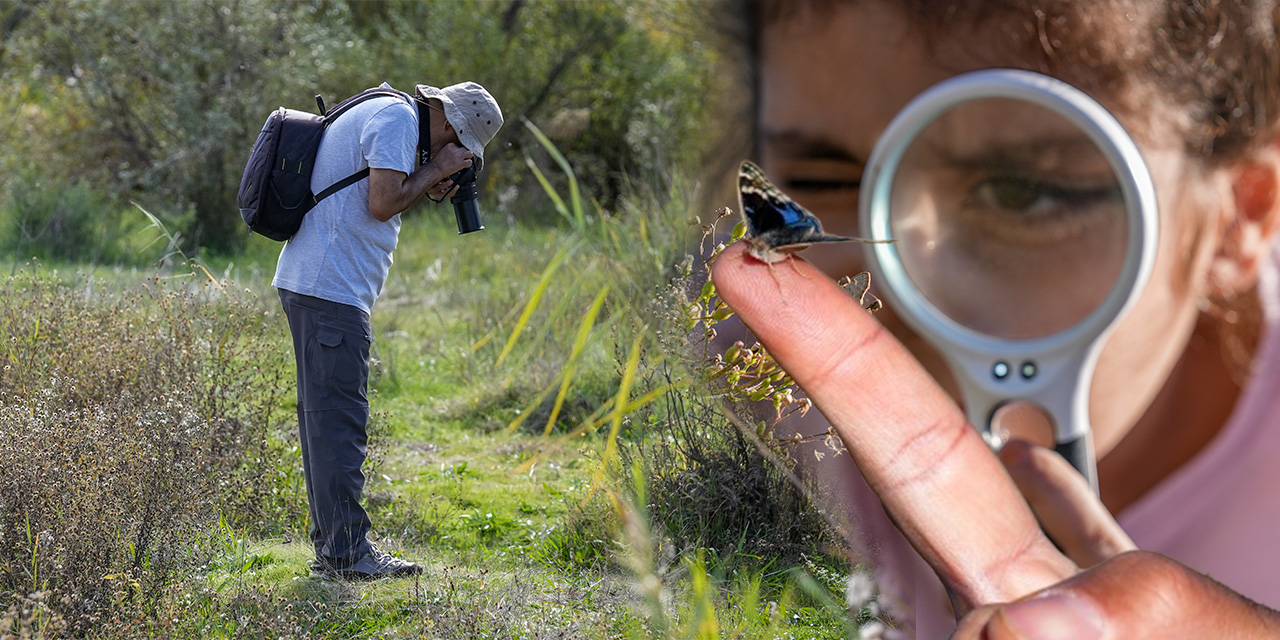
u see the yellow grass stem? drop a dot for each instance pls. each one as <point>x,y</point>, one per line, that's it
<point>579,343</point>
<point>573,211</point>
<point>619,412</point>
<point>534,299</point>
<point>517,369</point>
<point>597,419</point>
<point>561,208</point>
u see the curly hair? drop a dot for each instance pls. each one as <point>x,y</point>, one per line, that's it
<point>1216,63</point>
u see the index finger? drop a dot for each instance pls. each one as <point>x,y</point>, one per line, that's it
<point>936,476</point>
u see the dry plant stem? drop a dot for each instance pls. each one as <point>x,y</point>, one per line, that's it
<point>769,453</point>
<point>906,435</point>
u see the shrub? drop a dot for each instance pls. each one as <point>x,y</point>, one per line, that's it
<point>713,486</point>
<point>29,618</point>
<point>129,422</point>
<point>716,480</point>
<point>56,221</point>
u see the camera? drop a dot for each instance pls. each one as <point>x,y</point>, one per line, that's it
<point>464,199</point>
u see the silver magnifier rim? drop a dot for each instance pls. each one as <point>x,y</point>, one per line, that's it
<point>1061,98</point>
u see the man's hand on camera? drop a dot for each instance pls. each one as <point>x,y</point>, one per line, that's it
<point>450,159</point>
<point>391,191</point>
<point>440,190</point>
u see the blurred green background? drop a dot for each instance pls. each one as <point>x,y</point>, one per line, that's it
<point>159,102</point>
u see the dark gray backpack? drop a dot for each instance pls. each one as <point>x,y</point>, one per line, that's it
<point>275,191</point>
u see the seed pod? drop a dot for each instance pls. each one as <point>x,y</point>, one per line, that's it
<point>733,351</point>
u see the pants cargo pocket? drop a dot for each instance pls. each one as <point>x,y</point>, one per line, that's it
<point>344,366</point>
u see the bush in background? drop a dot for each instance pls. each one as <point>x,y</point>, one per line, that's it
<point>69,223</point>
<point>715,480</point>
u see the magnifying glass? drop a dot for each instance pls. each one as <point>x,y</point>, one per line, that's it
<point>1025,225</point>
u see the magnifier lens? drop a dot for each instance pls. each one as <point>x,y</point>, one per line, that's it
<point>1009,219</point>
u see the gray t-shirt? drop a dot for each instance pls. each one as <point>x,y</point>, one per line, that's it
<point>342,253</point>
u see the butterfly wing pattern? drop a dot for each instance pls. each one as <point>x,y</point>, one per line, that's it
<point>778,227</point>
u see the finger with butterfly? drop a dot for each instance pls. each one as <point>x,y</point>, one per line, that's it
<point>776,225</point>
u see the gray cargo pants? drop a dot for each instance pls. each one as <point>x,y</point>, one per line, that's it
<point>331,346</point>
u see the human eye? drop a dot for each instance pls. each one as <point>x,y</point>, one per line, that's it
<point>813,168</point>
<point>1033,197</point>
<point>1038,209</point>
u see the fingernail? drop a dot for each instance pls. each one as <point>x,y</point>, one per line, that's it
<point>1053,616</point>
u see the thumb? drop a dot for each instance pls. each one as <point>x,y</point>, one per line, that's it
<point>1064,504</point>
<point>1134,595</point>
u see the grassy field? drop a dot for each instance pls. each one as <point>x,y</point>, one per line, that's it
<point>524,448</point>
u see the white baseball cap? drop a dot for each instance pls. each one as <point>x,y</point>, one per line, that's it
<point>471,111</point>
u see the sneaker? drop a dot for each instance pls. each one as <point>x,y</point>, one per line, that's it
<point>318,568</point>
<point>375,565</point>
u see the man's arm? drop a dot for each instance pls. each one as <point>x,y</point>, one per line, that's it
<point>391,191</point>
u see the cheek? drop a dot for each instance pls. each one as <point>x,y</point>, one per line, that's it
<point>1139,356</point>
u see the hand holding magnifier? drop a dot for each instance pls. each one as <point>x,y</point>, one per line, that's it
<point>1025,224</point>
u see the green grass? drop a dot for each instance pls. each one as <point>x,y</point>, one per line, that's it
<point>443,486</point>
<point>524,531</point>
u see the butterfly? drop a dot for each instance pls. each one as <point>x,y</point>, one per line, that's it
<point>776,225</point>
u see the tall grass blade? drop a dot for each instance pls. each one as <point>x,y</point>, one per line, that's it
<point>533,404</point>
<point>534,299</point>
<point>597,419</point>
<point>543,330</point>
<point>565,377</point>
<point>706,626</point>
<point>578,218</point>
<point>619,412</point>
<point>579,343</point>
<point>641,554</point>
<point>478,344</point>
<point>172,247</point>
<point>823,597</point>
<point>556,200</point>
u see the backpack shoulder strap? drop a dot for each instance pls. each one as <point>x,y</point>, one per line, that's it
<point>342,184</point>
<point>339,109</point>
<point>376,92</point>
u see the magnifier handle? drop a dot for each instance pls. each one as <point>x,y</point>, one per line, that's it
<point>1079,452</point>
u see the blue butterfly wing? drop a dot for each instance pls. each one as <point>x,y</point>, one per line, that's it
<point>769,215</point>
<point>773,219</point>
<point>777,226</point>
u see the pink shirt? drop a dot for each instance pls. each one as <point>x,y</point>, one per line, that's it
<point>1219,513</point>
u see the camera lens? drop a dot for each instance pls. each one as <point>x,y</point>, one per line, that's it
<point>465,209</point>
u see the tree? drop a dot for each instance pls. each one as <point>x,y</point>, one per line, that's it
<point>161,101</point>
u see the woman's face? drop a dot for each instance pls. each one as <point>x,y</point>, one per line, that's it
<point>831,81</point>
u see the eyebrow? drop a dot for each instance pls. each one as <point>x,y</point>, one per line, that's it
<point>802,144</point>
<point>1032,154</point>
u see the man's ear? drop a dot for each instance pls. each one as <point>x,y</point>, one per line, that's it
<point>1248,238</point>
